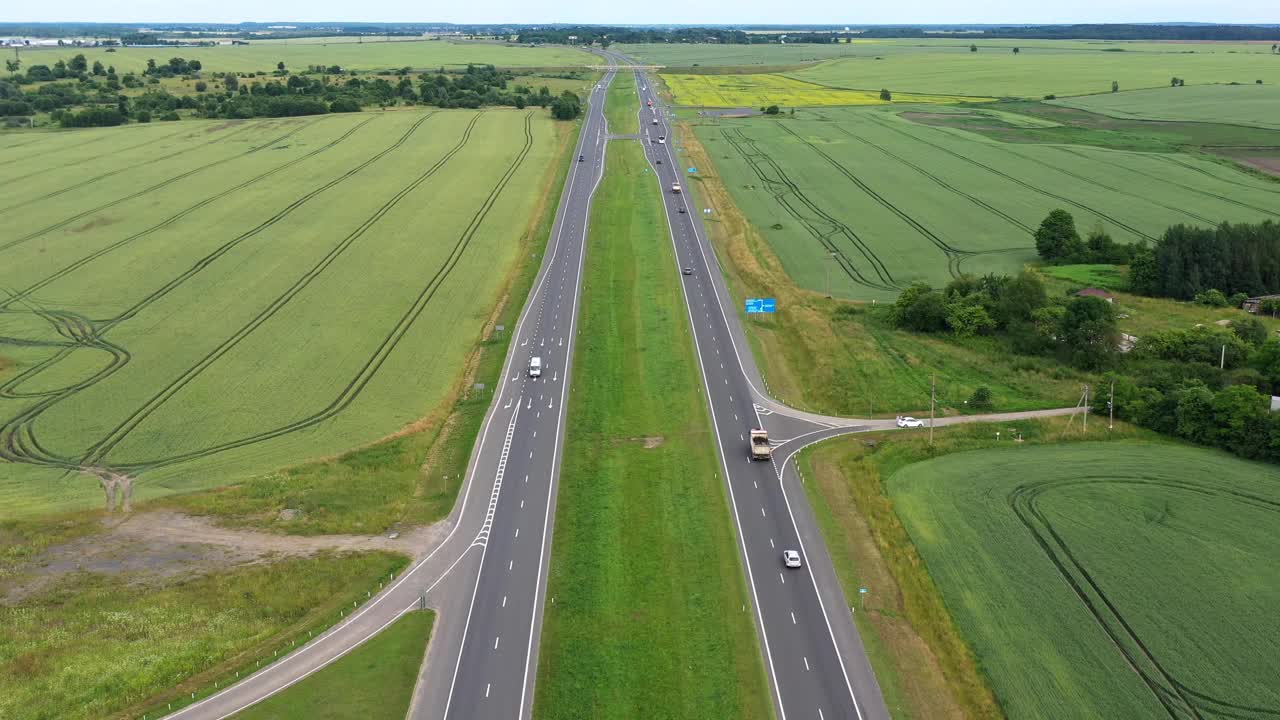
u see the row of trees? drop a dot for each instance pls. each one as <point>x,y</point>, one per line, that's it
<point>1185,263</point>
<point>477,86</point>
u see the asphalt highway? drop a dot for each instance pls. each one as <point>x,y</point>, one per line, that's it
<point>487,577</point>
<point>813,656</point>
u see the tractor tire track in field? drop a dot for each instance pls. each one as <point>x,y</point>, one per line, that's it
<point>126,168</point>
<point>25,292</point>
<point>953,254</point>
<point>1116,190</point>
<point>144,191</point>
<point>940,182</point>
<point>7,390</point>
<point>1157,178</point>
<point>1191,166</point>
<point>91,158</point>
<point>16,426</point>
<point>889,124</point>
<point>781,186</point>
<point>389,343</point>
<point>1177,700</point>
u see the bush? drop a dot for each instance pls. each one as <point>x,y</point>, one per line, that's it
<point>981,398</point>
<point>170,116</point>
<point>142,116</point>
<point>93,117</point>
<point>344,105</point>
<point>1211,297</point>
<point>15,107</point>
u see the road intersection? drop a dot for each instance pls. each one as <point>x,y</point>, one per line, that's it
<point>487,577</point>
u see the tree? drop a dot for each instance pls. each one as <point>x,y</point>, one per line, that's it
<point>201,86</point>
<point>1088,332</point>
<point>885,95</point>
<point>1211,297</point>
<point>1056,238</point>
<point>1016,51</point>
<point>98,69</point>
<point>973,48</point>
<point>280,66</point>
<point>1115,86</point>
<point>344,105</point>
<point>230,82</point>
<point>78,64</point>
<point>1173,82</point>
<point>1239,417</point>
<point>1194,413</point>
<point>772,110</point>
<point>566,107</point>
<point>12,65</point>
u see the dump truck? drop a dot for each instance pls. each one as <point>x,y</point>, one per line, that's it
<point>675,187</point>
<point>760,449</point>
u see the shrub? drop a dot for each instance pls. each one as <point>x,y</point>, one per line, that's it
<point>981,398</point>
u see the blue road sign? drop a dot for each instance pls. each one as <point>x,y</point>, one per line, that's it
<point>761,305</point>
<point>693,170</point>
<point>770,305</point>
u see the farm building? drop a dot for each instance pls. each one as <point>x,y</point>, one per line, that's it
<point>1253,304</point>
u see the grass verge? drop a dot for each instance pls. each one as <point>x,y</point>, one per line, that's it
<point>647,614</point>
<point>838,357</point>
<point>374,682</point>
<point>924,665</point>
<point>412,477</point>
<point>97,646</point>
<point>621,105</point>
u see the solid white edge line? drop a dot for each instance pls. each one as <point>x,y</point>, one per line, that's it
<point>466,495</point>
<point>538,600</point>
<point>742,543</point>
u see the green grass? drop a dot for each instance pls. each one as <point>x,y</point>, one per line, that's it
<point>97,645</point>
<point>842,358</point>
<point>1037,71</point>
<point>1056,560</point>
<point>256,56</point>
<point>901,201</point>
<point>302,336</point>
<point>1109,277</point>
<point>1246,104</point>
<point>621,106</point>
<point>374,682</point>
<point>636,629</point>
<point>410,479</point>
<point>680,56</point>
<point>1021,121</point>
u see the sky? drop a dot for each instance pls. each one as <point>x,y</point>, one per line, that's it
<point>655,11</point>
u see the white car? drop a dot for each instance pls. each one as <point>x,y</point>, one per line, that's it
<point>909,422</point>
<point>791,559</point>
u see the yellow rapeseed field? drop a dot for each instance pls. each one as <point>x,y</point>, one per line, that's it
<point>769,89</point>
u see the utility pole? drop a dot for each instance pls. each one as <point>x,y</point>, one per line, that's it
<point>933,385</point>
<point>1111,408</point>
<point>1222,361</point>
<point>1086,409</point>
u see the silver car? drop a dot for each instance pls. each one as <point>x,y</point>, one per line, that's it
<point>791,558</point>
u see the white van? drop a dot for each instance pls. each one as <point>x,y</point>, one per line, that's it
<point>535,367</point>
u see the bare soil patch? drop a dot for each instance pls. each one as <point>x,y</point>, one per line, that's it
<point>154,547</point>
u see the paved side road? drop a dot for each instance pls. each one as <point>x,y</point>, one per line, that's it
<point>487,577</point>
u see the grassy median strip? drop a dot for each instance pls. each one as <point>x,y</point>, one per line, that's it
<point>646,605</point>
<point>375,681</point>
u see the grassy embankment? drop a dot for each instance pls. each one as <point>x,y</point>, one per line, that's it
<point>414,476</point>
<point>925,666</point>
<point>98,646</point>
<point>634,628</point>
<point>373,682</point>
<point>832,356</point>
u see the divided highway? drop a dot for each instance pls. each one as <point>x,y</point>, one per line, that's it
<point>488,576</point>
<point>814,658</point>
